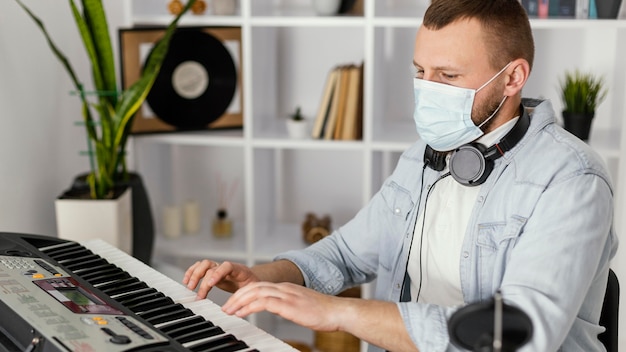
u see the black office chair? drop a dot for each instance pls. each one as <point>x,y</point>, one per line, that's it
<point>609,316</point>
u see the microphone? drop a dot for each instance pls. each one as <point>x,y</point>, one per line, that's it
<point>490,326</point>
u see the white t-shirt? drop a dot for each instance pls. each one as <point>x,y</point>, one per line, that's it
<point>437,241</point>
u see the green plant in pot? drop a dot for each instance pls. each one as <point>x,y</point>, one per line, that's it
<point>108,111</point>
<point>297,126</point>
<point>581,94</point>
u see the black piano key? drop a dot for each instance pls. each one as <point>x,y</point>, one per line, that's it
<point>189,328</point>
<point>130,296</point>
<point>149,304</point>
<point>77,260</point>
<point>111,277</point>
<point>229,347</point>
<point>198,334</point>
<point>166,328</point>
<point>78,252</point>
<point>131,303</point>
<point>94,269</point>
<point>85,264</point>
<point>219,344</point>
<point>161,310</point>
<point>124,282</point>
<point>126,288</point>
<point>52,252</point>
<point>103,270</point>
<point>170,316</point>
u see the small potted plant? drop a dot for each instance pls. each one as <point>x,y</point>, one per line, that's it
<point>297,126</point>
<point>581,94</point>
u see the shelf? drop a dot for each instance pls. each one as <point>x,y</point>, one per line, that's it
<point>201,246</point>
<point>188,21</point>
<point>231,138</point>
<point>307,144</point>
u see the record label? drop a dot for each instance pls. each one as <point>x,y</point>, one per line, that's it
<point>190,79</point>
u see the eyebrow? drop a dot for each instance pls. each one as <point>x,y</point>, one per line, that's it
<point>437,68</point>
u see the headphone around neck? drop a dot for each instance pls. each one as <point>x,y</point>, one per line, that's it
<point>471,164</point>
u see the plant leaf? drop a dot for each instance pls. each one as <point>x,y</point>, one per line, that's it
<point>132,98</point>
<point>96,20</point>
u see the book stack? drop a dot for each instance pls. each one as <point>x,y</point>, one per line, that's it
<point>340,113</point>
<point>581,9</point>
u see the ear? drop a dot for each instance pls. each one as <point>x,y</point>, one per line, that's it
<point>517,75</point>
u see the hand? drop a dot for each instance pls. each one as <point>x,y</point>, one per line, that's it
<point>227,276</point>
<point>296,303</point>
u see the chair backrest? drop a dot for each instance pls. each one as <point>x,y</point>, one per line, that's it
<point>609,315</point>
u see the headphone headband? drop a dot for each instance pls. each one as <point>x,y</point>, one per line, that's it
<point>510,139</point>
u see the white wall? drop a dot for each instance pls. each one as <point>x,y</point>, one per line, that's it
<point>39,143</point>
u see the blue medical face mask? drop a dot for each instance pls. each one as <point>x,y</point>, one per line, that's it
<point>443,113</point>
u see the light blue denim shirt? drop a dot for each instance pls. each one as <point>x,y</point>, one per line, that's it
<point>541,231</point>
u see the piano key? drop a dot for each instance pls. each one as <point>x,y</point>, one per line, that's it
<point>85,264</point>
<point>114,291</point>
<point>196,332</point>
<point>71,254</point>
<point>224,343</point>
<point>181,323</point>
<point>156,300</point>
<point>62,248</point>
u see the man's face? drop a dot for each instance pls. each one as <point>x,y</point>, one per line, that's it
<point>457,55</point>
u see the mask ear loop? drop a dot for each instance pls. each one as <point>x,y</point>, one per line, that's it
<point>494,77</point>
<point>503,99</point>
<point>494,113</point>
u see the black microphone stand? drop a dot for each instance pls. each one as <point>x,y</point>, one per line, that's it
<point>491,326</point>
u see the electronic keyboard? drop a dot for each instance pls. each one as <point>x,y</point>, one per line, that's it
<point>61,295</point>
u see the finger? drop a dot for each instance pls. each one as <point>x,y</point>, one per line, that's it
<point>208,280</point>
<point>189,272</point>
<point>252,293</point>
<point>197,271</point>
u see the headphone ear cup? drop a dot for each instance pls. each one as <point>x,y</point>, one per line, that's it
<point>468,165</point>
<point>434,159</point>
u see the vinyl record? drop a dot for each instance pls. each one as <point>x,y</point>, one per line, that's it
<point>196,83</point>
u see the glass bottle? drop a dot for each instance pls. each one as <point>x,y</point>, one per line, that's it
<point>222,225</point>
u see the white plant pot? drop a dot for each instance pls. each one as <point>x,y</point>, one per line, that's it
<point>108,219</point>
<point>298,129</point>
<point>326,7</point>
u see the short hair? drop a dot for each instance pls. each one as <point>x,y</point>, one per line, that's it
<point>505,22</point>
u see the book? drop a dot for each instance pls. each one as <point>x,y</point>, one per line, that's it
<point>342,108</point>
<point>562,8</point>
<point>531,7</point>
<point>582,9</point>
<point>325,104</point>
<point>543,8</point>
<point>353,111</point>
<point>336,105</point>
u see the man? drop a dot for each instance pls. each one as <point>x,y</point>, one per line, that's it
<point>526,209</point>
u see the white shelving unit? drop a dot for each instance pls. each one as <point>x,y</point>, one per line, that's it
<point>287,52</point>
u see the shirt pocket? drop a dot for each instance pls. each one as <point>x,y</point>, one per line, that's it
<point>494,244</point>
<point>394,218</point>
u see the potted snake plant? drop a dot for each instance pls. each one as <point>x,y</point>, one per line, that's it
<point>107,114</point>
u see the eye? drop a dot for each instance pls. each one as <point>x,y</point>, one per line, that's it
<point>448,76</point>
<point>418,72</point>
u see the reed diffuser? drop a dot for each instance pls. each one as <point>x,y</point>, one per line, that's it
<point>222,224</point>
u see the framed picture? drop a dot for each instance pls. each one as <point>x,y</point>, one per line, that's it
<point>199,84</point>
